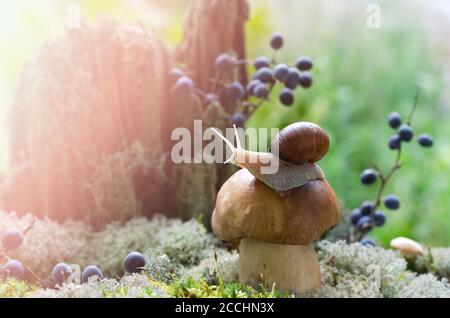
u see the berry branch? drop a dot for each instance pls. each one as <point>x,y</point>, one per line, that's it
<point>384,179</point>
<point>268,73</point>
<point>416,99</point>
<point>364,218</point>
<point>12,239</point>
<point>35,276</point>
<point>29,226</point>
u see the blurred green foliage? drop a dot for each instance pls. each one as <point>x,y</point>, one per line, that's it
<point>360,76</point>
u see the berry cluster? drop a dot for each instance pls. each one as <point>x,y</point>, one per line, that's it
<point>62,273</point>
<point>246,100</point>
<point>12,239</point>
<point>367,215</point>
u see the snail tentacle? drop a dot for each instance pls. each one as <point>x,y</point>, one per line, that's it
<point>228,143</point>
<point>236,134</point>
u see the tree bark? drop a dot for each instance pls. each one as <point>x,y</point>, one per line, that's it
<point>212,27</point>
<point>92,120</point>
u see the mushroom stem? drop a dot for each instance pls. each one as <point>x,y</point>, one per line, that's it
<point>293,268</point>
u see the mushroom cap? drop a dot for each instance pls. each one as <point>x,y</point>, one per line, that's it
<point>246,207</point>
<point>407,246</point>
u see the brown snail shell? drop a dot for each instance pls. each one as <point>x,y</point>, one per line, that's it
<point>287,177</point>
<point>301,142</point>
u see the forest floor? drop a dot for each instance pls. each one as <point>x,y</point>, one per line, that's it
<point>184,260</point>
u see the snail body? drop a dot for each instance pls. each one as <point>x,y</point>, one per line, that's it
<point>309,144</point>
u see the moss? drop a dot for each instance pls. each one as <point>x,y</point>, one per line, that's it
<point>436,260</point>
<point>223,267</point>
<point>129,286</point>
<point>13,288</point>
<point>184,260</point>
<point>364,262</point>
<point>189,287</point>
<point>185,243</point>
<point>80,151</point>
<point>48,243</point>
<point>425,286</point>
<point>162,269</point>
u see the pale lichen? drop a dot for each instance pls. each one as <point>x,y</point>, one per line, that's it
<point>436,260</point>
<point>223,267</point>
<point>425,286</point>
<point>382,265</point>
<point>129,286</point>
<point>178,251</point>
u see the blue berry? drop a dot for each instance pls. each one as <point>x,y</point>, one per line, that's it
<point>366,207</point>
<point>281,71</point>
<point>184,86</point>
<point>364,223</point>
<point>134,262</point>
<point>236,90</point>
<point>425,140</point>
<point>175,74</point>
<point>12,239</point>
<point>264,74</point>
<point>392,202</point>
<point>286,97</point>
<point>292,79</point>
<point>394,142</point>
<point>368,242</point>
<point>261,91</point>
<point>305,80</point>
<point>304,63</point>
<point>355,215</point>
<point>406,133</point>
<point>62,273</point>
<point>394,120</point>
<point>91,271</point>
<point>223,62</point>
<point>238,119</point>
<point>379,218</point>
<point>210,98</point>
<point>14,268</point>
<point>276,41</point>
<point>251,86</point>
<point>368,176</point>
<point>260,62</point>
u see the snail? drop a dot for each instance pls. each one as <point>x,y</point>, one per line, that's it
<point>276,217</point>
<point>299,146</point>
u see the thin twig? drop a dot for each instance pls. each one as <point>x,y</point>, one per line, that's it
<point>29,226</point>
<point>6,256</point>
<point>385,179</point>
<point>241,62</point>
<point>416,99</point>
<point>199,92</point>
<point>273,61</point>
<point>218,81</point>
<point>262,100</point>
<point>35,276</point>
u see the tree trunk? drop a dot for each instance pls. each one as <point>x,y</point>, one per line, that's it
<point>93,115</point>
<point>212,27</point>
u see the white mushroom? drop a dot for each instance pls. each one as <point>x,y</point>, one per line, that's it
<point>277,232</point>
<point>407,246</point>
